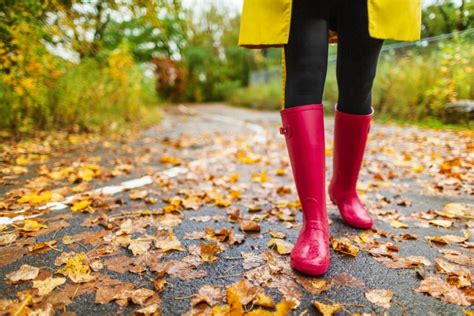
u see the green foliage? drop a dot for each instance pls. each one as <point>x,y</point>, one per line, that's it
<point>412,85</point>
<point>103,86</point>
<point>88,96</point>
<point>446,16</point>
<point>265,96</point>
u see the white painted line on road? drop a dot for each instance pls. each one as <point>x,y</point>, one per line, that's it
<point>260,137</point>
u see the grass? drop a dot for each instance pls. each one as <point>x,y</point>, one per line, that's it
<point>412,86</point>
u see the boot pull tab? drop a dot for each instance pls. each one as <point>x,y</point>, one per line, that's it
<point>284,130</point>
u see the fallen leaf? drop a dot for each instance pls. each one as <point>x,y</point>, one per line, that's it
<point>34,198</point>
<point>344,246</point>
<point>249,226</point>
<point>208,250</point>
<point>139,246</point>
<point>25,273</point>
<point>138,195</point>
<point>211,295</point>
<point>314,286</point>
<point>276,234</point>
<point>169,160</point>
<point>7,239</point>
<point>30,225</point>
<point>437,287</point>
<point>283,247</point>
<point>81,206</point>
<point>380,297</point>
<point>325,309</point>
<point>150,310</point>
<point>346,279</point>
<point>47,285</point>
<point>441,222</point>
<point>77,269</point>
<point>397,224</point>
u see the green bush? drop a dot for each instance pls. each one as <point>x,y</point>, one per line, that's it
<point>265,96</point>
<point>413,85</point>
<point>91,95</point>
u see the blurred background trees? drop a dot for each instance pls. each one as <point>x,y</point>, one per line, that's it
<point>83,65</point>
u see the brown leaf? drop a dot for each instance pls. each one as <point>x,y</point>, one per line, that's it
<point>106,294</point>
<point>314,286</point>
<point>436,287</point>
<point>139,296</point>
<point>47,285</point>
<point>211,295</point>
<point>139,246</point>
<point>25,273</point>
<point>457,257</point>
<point>276,234</point>
<point>208,250</point>
<point>7,239</point>
<point>346,279</point>
<point>183,270</point>
<point>344,246</point>
<point>150,310</point>
<point>380,297</point>
<point>249,226</point>
<point>447,239</point>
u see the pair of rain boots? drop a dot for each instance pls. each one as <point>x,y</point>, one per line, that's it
<point>303,127</point>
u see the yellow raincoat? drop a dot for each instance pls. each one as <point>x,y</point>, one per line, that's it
<point>266,23</point>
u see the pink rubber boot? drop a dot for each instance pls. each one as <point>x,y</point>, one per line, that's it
<point>303,127</point>
<point>350,138</point>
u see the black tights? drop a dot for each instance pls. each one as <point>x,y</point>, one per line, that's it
<point>306,54</point>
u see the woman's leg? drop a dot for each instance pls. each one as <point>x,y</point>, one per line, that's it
<point>303,127</point>
<point>357,58</point>
<point>306,53</point>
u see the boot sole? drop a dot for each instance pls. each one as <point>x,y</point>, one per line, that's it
<point>347,223</point>
<point>309,269</point>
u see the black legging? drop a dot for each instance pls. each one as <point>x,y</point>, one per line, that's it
<point>306,54</point>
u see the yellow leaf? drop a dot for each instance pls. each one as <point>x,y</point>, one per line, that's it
<point>263,299</point>
<point>327,310</point>
<point>397,224</point>
<point>77,269</point>
<point>223,310</point>
<point>441,222</point>
<point>280,172</point>
<point>33,198</point>
<point>222,202</point>
<point>81,205</point>
<point>138,195</point>
<point>22,160</point>
<point>283,247</point>
<point>42,245</point>
<point>170,160</point>
<point>207,251</point>
<point>234,195</point>
<point>344,246</point>
<point>19,170</point>
<point>284,307</point>
<point>234,177</point>
<point>261,177</point>
<point>455,210</point>
<point>30,225</point>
